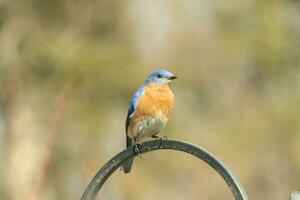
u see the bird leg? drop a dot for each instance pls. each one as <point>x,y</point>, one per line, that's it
<point>160,138</point>
<point>136,148</point>
<point>155,136</point>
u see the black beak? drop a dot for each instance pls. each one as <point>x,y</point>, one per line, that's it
<point>173,77</point>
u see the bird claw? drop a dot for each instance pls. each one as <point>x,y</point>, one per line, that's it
<point>155,136</point>
<point>136,149</point>
<point>161,139</point>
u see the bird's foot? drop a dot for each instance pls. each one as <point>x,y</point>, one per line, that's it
<point>160,138</point>
<point>155,136</point>
<point>136,150</point>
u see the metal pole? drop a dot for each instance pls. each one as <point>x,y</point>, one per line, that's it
<point>117,161</point>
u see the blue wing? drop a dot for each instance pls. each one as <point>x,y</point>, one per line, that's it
<point>133,104</point>
<point>129,141</point>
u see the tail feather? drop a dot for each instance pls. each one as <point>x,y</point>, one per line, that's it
<point>128,163</point>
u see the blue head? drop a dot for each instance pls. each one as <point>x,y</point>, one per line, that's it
<point>160,76</point>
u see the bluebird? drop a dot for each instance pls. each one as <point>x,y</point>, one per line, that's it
<point>149,110</point>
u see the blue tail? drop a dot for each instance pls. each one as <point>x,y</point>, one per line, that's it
<point>128,163</point>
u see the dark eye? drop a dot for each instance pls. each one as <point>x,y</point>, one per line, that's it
<point>159,76</point>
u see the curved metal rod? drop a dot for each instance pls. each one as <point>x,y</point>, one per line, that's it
<point>117,161</point>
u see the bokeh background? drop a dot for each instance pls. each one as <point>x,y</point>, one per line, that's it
<point>69,68</point>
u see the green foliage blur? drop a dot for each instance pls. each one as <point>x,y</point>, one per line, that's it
<point>69,68</point>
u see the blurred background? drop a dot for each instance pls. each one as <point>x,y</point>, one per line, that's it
<point>69,68</point>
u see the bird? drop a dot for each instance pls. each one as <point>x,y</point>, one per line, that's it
<point>149,111</point>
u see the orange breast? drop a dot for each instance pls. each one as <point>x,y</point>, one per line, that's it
<point>156,98</point>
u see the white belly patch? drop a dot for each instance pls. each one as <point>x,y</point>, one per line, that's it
<point>149,126</point>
